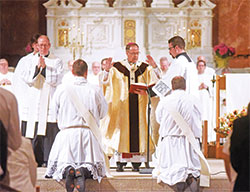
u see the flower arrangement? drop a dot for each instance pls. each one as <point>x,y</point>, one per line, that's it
<point>226,122</point>
<point>223,51</point>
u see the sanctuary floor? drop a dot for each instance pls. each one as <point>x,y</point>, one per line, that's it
<point>134,181</point>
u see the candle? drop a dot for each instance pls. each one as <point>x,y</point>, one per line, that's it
<point>82,38</point>
<point>69,35</point>
<point>192,39</point>
<point>78,35</point>
<point>64,38</point>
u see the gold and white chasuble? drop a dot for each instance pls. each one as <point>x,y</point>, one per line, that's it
<point>125,126</point>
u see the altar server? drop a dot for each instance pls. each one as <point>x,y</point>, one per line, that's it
<point>20,86</point>
<point>181,65</point>
<point>206,94</point>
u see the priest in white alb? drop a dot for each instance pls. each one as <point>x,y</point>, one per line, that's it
<point>6,77</point>
<point>77,153</point>
<point>206,94</point>
<point>42,73</point>
<point>20,85</point>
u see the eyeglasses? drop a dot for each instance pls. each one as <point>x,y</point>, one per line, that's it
<point>136,53</point>
<point>43,45</point>
<point>170,48</point>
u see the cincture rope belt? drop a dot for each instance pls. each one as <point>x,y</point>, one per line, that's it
<point>88,117</point>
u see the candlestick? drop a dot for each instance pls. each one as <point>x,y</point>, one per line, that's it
<point>75,41</point>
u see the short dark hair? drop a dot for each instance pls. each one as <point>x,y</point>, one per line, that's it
<point>104,60</point>
<point>34,38</point>
<point>131,45</point>
<point>178,82</point>
<point>79,67</point>
<point>177,40</point>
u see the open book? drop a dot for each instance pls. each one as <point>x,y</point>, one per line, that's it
<point>143,86</point>
<point>161,88</point>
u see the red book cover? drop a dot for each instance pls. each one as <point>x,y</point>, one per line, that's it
<point>143,86</point>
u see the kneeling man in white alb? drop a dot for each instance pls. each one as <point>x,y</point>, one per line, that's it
<point>176,160</point>
<point>77,153</point>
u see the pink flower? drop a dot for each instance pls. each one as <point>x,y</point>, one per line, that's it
<point>232,50</point>
<point>216,47</point>
<point>28,48</point>
<point>223,51</point>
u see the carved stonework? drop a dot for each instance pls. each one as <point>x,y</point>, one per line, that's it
<point>97,34</point>
<point>96,3</point>
<point>129,3</point>
<point>108,29</point>
<point>162,3</point>
<point>160,33</point>
<point>62,4</point>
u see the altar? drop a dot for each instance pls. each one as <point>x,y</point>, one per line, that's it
<point>237,96</point>
<point>97,31</point>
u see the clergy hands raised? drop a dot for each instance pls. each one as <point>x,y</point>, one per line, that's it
<point>41,63</point>
<point>151,61</point>
<point>108,65</point>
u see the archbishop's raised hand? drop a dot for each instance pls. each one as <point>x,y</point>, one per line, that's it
<point>151,61</point>
<point>108,65</point>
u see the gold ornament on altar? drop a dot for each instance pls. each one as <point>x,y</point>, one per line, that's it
<point>71,38</point>
<point>192,37</point>
<point>129,31</point>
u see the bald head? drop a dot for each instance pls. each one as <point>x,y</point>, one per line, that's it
<point>201,58</point>
<point>43,45</point>
<point>96,67</point>
<point>164,63</point>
